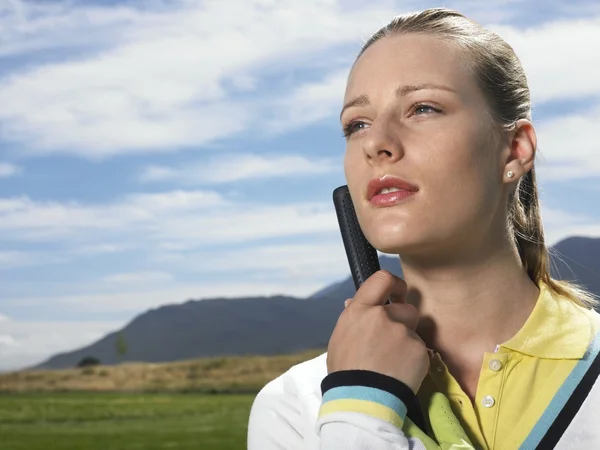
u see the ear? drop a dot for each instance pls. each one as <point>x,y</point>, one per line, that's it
<point>521,151</point>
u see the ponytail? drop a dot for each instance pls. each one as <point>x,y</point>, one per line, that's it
<point>526,224</point>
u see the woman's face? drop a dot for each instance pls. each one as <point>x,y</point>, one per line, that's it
<point>413,112</point>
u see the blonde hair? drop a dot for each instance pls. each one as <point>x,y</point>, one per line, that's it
<point>504,84</point>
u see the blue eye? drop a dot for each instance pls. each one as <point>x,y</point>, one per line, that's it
<point>425,108</point>
<point>353,127</point>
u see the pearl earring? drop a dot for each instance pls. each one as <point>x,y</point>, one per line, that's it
<point>510,174</point>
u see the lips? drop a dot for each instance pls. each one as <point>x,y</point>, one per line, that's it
<point>389,190</point>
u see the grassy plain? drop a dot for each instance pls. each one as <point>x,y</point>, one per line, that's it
<point>121,421</point>
<point>199,404</point>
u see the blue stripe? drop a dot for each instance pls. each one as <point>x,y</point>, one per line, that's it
<point>562,396</point>
<point>367,393</point>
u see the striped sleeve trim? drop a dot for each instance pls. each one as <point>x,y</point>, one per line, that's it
<point>366,392</point>
<point>362,406</point>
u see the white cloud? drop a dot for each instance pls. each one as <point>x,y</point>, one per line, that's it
<point>311,102</point>
<point>28,219</point>
<point>231,168</point>
<point>172,78</point>
<point>560,57</point>
<point>322,260</point>
<point>28,27</point>
<point>14,258</point>
<point>191,217</point>
<point>139,278</point>
<point>136,300</point>
<point>11,259</point>
<point>173,246</point>
<point>162,87</point>
<point>163,173</point>
<point>560,224</point>
<point>101,248</point>
<point>8,170</point>
<point>246,222</point>
<point>25,343</point>
<point>164,83</point>
<point>6,340</point>
<point>570,146</point>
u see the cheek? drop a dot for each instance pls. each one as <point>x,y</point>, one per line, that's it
<point>464,192</point>
<point>352,170</point>
<point>458,174</point>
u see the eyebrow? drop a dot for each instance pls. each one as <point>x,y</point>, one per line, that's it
<point>363,100</point>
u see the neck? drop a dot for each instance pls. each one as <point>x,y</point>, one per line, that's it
<point>472,304</point>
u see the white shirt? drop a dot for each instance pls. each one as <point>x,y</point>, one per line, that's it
<point>285,416</point>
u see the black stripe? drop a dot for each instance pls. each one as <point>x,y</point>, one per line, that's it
<point>377,380</point>
<point>566,415</point>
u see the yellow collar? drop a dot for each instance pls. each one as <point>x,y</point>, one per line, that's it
<point>557,328</point>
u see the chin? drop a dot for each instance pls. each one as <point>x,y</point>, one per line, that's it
<point>392,239</point>
<point>396,230</point>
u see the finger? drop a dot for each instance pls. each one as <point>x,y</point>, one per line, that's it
<point>375,290</point>
<point>404,313</point>
<point>399,291</point>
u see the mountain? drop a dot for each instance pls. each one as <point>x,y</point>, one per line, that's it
<point>216,327</point>
<point>272,325</point>
<point>578,259</point>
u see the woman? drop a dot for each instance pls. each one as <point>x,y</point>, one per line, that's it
<point>440,166</point>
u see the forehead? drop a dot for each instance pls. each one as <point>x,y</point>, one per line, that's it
<point>408,59</point>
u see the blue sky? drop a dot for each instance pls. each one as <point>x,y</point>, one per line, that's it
<point>152,152</point>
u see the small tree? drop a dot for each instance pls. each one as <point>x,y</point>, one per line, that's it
<point>88,361</point>
<point>121,345</point>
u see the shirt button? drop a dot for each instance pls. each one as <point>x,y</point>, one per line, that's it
<point>495,365</point>
<point>488,401</point>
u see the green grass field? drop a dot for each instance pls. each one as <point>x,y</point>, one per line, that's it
<point>118,421</point>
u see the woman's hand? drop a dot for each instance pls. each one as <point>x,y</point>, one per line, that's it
<point>371,335</point>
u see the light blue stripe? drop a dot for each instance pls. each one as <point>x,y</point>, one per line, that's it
<point>562,396</point>
<point>367,393</point>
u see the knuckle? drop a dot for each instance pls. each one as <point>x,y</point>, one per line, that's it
<point>384,276</point>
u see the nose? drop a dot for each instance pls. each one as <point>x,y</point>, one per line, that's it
<point>382,145</point>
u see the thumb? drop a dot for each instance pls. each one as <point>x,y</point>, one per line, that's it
<point>375,290</point>
<point>447,429</point>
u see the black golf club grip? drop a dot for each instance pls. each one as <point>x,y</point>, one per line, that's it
<point>364,262</point>
<point>362,256</point>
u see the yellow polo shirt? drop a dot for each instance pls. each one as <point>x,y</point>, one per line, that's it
<point>517,383</point>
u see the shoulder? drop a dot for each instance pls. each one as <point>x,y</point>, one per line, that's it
<point>300,380</point>
<point>285,409</point>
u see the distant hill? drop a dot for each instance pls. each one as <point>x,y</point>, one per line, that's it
<point>272,325</point>
<point>216,327</point>
<point>578,259</point>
